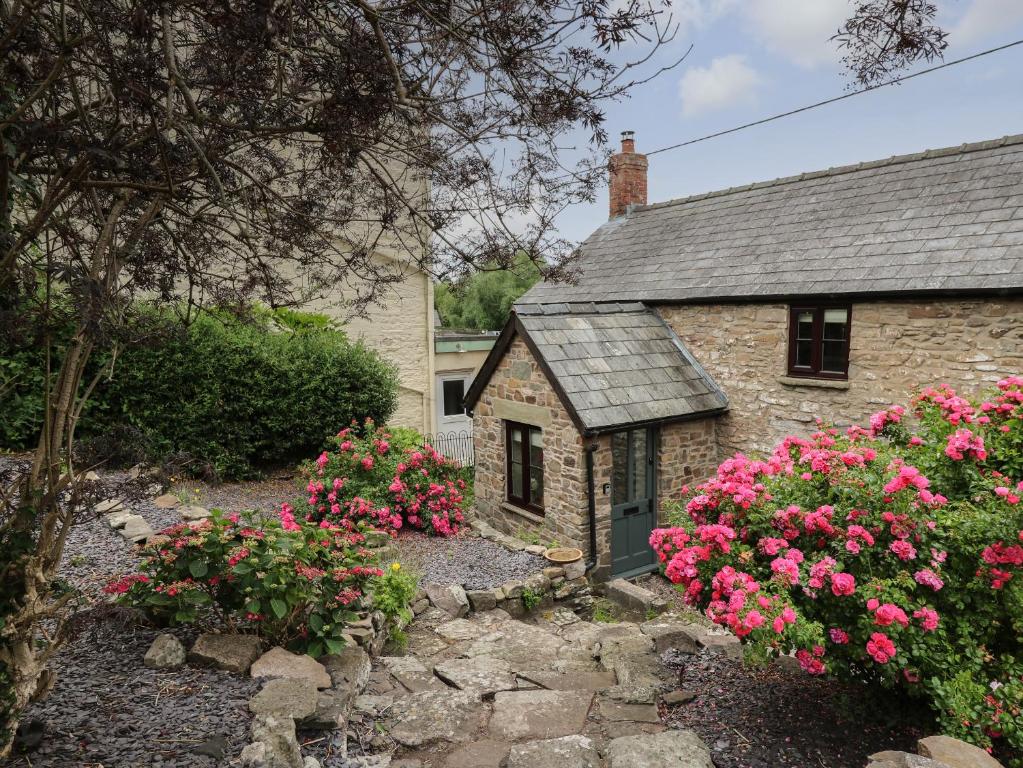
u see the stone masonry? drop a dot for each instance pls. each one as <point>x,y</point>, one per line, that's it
<point>516,382</point>
<point>895,348</point>
<point>687,453</point>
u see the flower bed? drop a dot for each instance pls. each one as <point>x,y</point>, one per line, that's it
<point>294,583</point>
<point>878,555</point>
<point>388,478</point>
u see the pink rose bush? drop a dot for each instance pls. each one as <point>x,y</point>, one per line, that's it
<point>292,582</point>
<point>877,554</point>
<point>386,478</point>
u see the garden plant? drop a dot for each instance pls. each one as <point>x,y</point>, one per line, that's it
<point>294,583</point>
<point>388,477</point>
<point>890,554</point>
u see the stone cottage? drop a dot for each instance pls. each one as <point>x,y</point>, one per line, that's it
<point>720,322</point>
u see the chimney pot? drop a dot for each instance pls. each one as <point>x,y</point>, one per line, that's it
<point>628,171</point>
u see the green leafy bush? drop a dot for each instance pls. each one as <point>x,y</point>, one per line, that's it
<point>222,396</point>
<point>879,555</point>
<point>388,477</point>
<point>294,583</point>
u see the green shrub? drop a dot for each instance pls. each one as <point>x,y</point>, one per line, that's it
<point>878,555</point>
<point>293,583</point>
<point>223,396</point>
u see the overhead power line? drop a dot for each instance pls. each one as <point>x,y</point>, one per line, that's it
<point>844,96</point>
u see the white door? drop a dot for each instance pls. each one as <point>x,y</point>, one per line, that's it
<point>451,389</point>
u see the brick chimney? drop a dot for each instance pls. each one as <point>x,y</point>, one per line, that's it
<point>628,177</point>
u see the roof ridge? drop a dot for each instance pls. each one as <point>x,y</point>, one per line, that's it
<point>838,170</point>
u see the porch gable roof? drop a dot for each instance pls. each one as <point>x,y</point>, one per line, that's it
<point>613,366</point>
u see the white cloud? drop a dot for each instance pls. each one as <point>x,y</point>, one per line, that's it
<point>799,30</point>
<point>984,19</point>
<point>725,82</point>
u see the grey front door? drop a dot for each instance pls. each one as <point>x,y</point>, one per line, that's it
<point>633,503</point>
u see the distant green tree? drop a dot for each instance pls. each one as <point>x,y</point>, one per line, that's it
<point>483,300</point>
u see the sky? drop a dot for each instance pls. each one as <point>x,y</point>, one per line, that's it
<point>755,58</point>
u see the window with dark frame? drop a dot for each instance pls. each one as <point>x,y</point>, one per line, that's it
<point>819,341</point>
<point>524,450</point>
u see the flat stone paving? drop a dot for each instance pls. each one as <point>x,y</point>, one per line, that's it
<point>524,694</point>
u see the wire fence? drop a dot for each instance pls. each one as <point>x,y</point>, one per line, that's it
<point>454,445</point>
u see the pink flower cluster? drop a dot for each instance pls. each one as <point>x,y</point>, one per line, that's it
<point>963,443</point>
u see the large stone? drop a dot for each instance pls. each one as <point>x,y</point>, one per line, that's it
<point>136,529</point>
<point>349,669</point>
<point>482,675</point>
<point>118,519</point>
<point>567,752</point>
<point>955,753</point>
<point>482,599</point>
<point>520,715</point>
<point>634,598</point>
<point>412,673</point>
<point>625,644</point>
<point>278,662</point>
<point>459,629</point>
<point>424,644</point>
<point>524,646</point>
<point>333,708</point>
<point>670,749</point>
<point>451,599</point>
<point>615,711</point>
<point>479,754</point>
<point>166,652</point>
<point>727,645</point>
<point>669,633</point>
<point>191,513</point>
<point>641,677</point>
<point>167,501</point>
<point>280,745</point>
<point>294,698</point>
<point>570,680</point>
<point>234,653</point>
<point>108,506</point>
<point>894,759</point>
<point>432,717</point>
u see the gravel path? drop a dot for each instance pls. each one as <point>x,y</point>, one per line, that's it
<point>466,559</point>
<point>264,495</point>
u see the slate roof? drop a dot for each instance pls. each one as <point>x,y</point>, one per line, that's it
<point>616,366</point>
<point>947,220</point>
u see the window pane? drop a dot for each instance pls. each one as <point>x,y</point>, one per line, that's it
<point>804,353</point>
<point>454,391</point>
<point>833,358</point>
<point>835,324</point>
<point>619,448</point>
<point>517,468</point>
<point>804,325</point>
<point>536,467</point>
<point>638,464</point>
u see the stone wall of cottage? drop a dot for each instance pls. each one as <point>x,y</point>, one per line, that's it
<point>895,348</point>
<point>519,387</point>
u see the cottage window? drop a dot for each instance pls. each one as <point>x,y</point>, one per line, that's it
<point>524,449</point>
<point>819,341</point>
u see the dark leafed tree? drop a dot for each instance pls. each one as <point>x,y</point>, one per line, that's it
<point>202,152</point>
<point>885,36</point>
